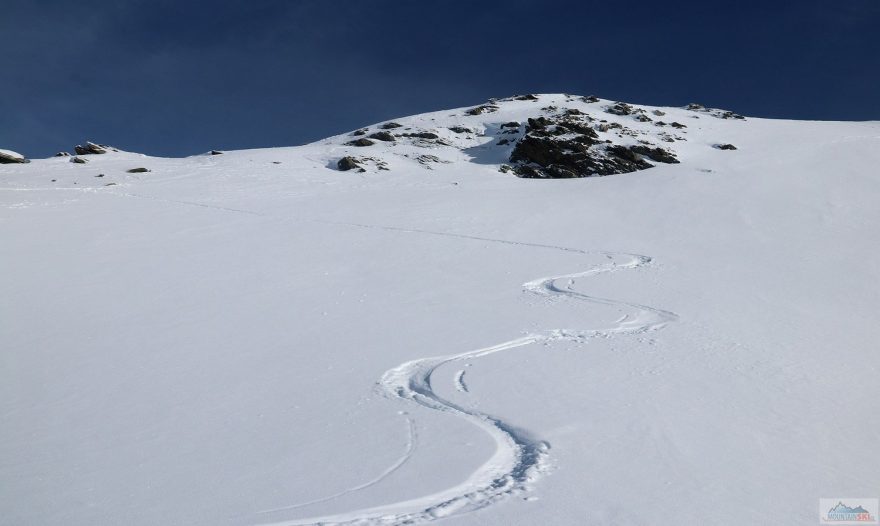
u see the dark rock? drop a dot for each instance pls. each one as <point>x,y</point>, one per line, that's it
<point>656,154</point>
<point>606,126</point>
<point>526,97</point>
<point>460,129</point>
<point>100,175</point>
<point>359,132</point>
<point>90,148</point>
<point>62,154</point>
<point>425,159</point>
<point>78,160</point>
<point>590,98</point>
<point>678,125</point>
<point>619,108</point>
<point>216,152</point>
<point>725,147</point>
<point>421,135</point>
<point>643,118</point>
<point>347,163</point>
<point>390,126</point>
<point>502,142</point>
<point>565,147</point>
<point>511,124</point>
<point>138,170</point>
<point>729,115</point>
<point>110,184</point>
<point>382,136</point>
<point>693,106</point>
<point>10,157</point>
<point>360,142</point>
<point>573,112</point>
<point>485,108</point>
<point>659,113</point>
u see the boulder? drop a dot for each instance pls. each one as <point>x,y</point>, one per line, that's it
<point>138,170</point>
<point>10,157</point>
<point>347,163</point>
<point>90,148</point>
<point>390,126</point>
<point>382,136</point>
<point>619,108</point>
<point>725,147</point>
<point>78,160</point>
<point>485,108</point>
<point>360,142</point>
<point>460,129</point>
<point>421,135</point>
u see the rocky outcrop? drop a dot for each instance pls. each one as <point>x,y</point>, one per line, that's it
<point>347,163</point>
<point>725,147</point>
<point>390,126</point>
<point>382,136</point>
<point>567,146</point>
<point>714,112</point>
<point>619,108</point>
<point>421,135</point>
<point>485,108</point>
<point>91,148</point>
<point>10,157</point>
<point>360,142</point>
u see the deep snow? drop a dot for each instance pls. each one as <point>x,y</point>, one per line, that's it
<point>258,338</point>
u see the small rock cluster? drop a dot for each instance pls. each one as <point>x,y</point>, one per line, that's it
<point>714,112</point>
<point>92,149</point>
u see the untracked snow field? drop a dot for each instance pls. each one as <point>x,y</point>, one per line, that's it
<point>257,337</point>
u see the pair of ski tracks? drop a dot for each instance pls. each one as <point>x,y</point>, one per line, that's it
<point>518,459</point>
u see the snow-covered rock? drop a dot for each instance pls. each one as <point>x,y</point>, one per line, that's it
<point>10,157</point>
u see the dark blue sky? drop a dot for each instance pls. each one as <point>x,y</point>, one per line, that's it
<point>171,77</point>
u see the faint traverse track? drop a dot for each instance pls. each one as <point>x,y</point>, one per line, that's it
<point>518,459</point>
<point>410,447</point>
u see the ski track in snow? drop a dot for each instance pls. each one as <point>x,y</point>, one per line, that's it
<point>459,381</point>
<point>519,460</point>
<point>410,447</point>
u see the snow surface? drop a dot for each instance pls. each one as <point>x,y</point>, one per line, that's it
<point>259,338</point>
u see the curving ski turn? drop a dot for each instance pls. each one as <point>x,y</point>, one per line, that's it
<point>518,459</point>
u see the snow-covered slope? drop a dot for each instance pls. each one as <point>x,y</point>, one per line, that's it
<point>437,332</point>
